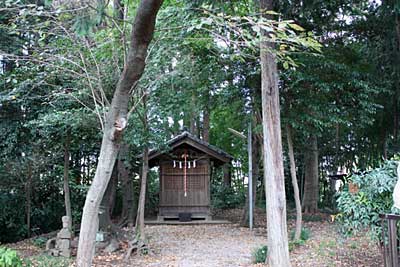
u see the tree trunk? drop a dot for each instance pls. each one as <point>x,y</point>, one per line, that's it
<point>256,171</point>
<point>105,223</point>
<point>67,195</point>
<point>296,192</point>
<point>395,115</point>
<point>311,181</point>
<point>194,129</point>
<point>142,33</point>
<point>143,181</point>
<point>385,148</point>
<point>28,195</point>
<point>142,197</point>
<point>128,197</point>
<point>397,87</point>
<point>227,175</point>
<point>206,125</point>
<point>76,170</point>
<point>278,250</point>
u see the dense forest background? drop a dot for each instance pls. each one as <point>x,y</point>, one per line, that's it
<point>60,62</point>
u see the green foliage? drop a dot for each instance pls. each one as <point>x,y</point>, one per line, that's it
<point>304,236</point>
<point>40,241</point>
<point>59,68</point>
<point>360,210</point>
<point>153,190</point>
<point>9,258</point>
<point>224,197</point>
<point>295,243</point>
<point>12,225</point>
<point>260,254</point>
<point>244,32</point>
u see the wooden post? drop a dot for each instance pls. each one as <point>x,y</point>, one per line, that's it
<point>393,243</point>
<point>390,249</point>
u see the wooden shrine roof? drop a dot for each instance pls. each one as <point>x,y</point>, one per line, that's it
<point>185,138</point>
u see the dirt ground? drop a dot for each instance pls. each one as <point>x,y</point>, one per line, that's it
<point>200,245</point>
<point>231,245</point>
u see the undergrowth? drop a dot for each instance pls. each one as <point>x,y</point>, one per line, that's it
<point>260,254</point>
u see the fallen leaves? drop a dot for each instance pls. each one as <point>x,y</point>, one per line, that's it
<point>232,245</point>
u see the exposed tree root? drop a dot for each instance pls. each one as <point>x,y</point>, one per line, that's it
<point>138,246</point>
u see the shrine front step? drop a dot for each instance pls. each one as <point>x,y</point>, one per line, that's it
<point>174,220</point>
<point>187,217</point>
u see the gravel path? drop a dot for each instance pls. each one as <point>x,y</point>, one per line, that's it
<point>199,245</point>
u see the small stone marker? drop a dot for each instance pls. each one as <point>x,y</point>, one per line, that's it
<point>61,246</point>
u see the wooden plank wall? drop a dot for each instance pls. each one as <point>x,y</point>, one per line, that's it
<point>172,187</point>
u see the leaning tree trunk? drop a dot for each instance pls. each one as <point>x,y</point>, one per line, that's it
<point>278,249</point>
<point>311,181</point>
<point>141,35</point>
<point>143,185</point>
<point>297,233</point>
<point>142,197</point>
<point>67,195</point>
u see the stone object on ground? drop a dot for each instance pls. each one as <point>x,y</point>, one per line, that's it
<point>101,245</point>
<point>61,245</point>
<point>112,247</point>
<point>75,242</point>
<point>50,244</point>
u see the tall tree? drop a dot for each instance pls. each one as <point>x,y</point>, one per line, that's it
<point>278,250</point>
<point>129,205</point>
<point>141,36</point>
<point>296,191</point>
<point>145,169</point>
<point>67,195</point>
<point>311,179</point>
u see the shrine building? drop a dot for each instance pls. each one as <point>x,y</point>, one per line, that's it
<point>185,171</point>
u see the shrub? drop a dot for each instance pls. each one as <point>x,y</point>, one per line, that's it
<point>304,234</point>
<point>224,197</point>
<point>12,224</point>
<point>359,209</point>
<point>260,254</point>
<point>295,243</point>
<point>9,258</point>
<point>153,189</point>
<point>40,241</point>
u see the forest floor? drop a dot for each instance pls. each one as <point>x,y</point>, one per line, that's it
<point>231,245</point>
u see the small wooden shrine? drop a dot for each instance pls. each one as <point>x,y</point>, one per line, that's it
<point>185,171</point>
